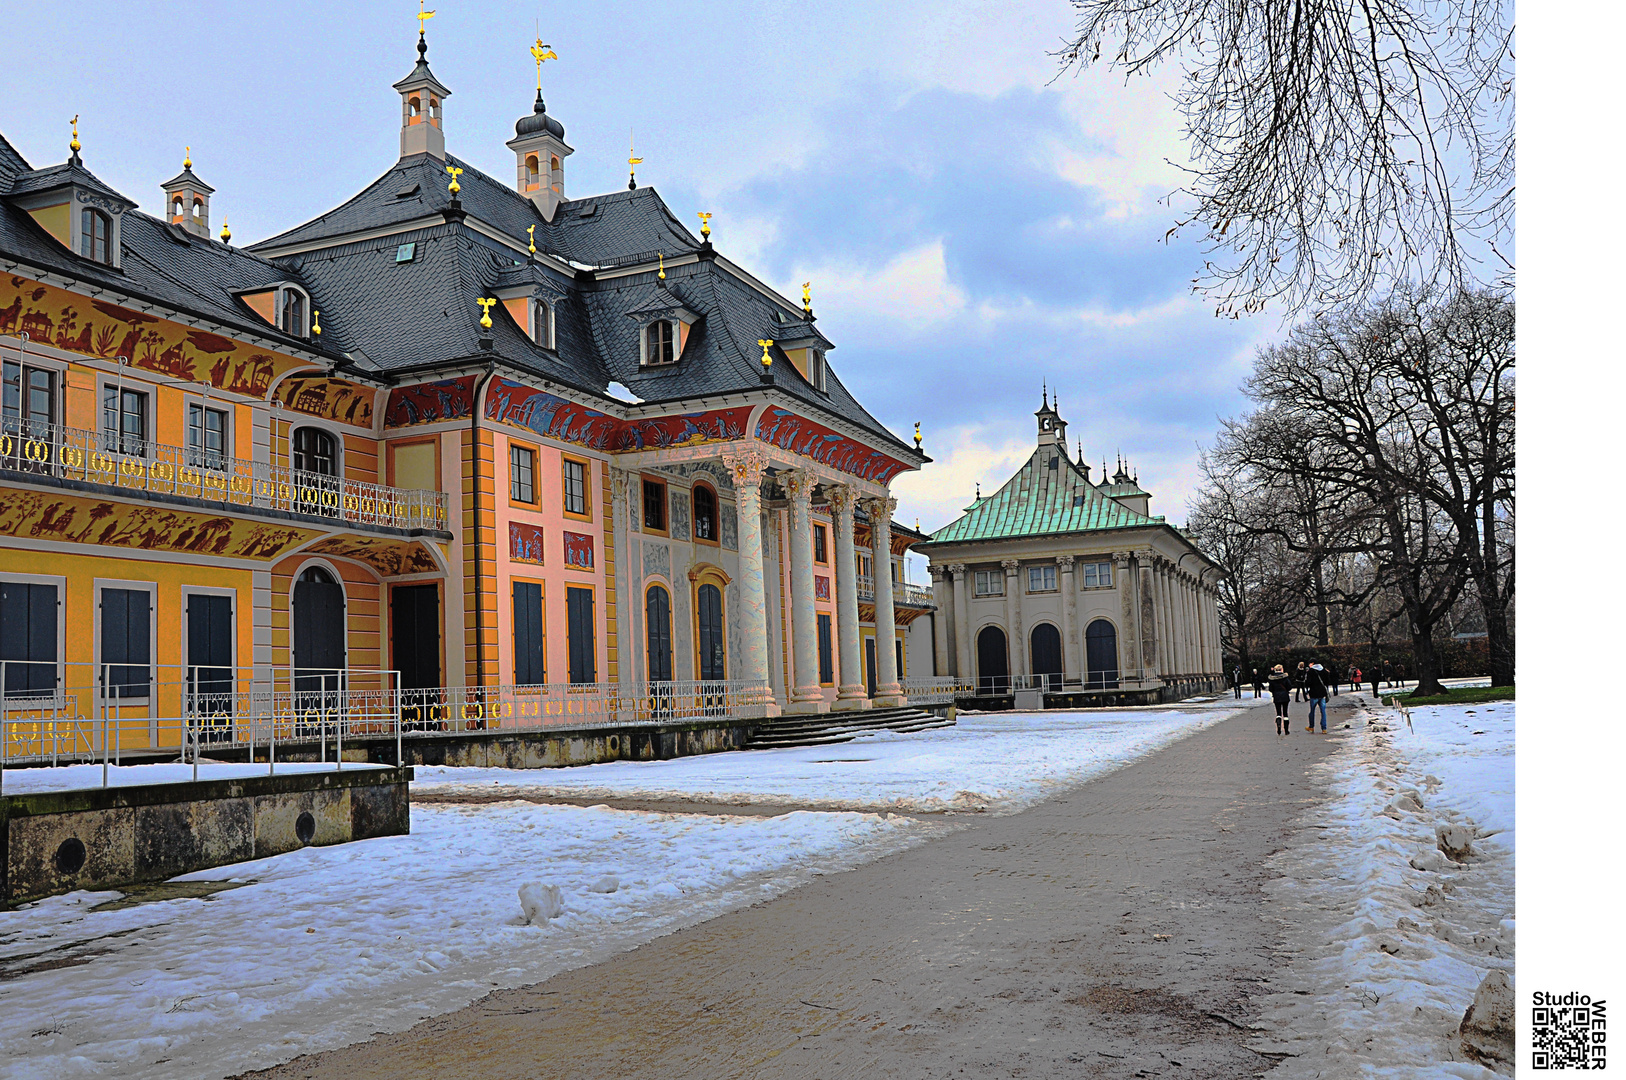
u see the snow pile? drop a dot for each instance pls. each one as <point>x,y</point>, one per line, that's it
<point>335,943</point>
<point>1396,914</point>
<point>541,902</point>
<point>27,781</point>
<point>988,761</point>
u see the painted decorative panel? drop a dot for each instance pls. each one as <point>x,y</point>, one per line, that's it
<point>48,516</point>
<point>821,587</point>
<point>680,514</point>
<point>578,551</point>
<point>428,403</point>
<point>98,328</point>
<point>331,399</point>
<point>391,558</point>
<point>657,559</point>
<point>525,542</point>
<point>689,429</point>
<point>728,522</point>
<point>554,417</point>
<point>799,435</point>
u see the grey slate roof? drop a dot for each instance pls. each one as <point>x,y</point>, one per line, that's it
<point>67,173</point>
<point>1041,501</point>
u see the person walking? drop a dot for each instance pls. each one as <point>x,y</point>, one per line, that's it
<point>1281,686</point>
<point>1236,680</point>
<point>1374,676</point>
<point>1258,683</point>
<point>1298,682</point>
<point>1315,688</point>
<point>1332,680</point>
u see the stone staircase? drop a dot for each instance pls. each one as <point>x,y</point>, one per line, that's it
<point>840,727</point>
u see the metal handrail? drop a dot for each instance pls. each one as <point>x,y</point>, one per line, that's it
<point>902,592</point>
<point>113,460</point>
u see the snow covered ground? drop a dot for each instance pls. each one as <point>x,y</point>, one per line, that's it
<point>329,945</point>
<point>993,761</point>
<point>1387,938</point>
<point>65,777</point>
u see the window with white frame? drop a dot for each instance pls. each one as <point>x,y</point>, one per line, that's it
<point>542,323</point>
<point>660,343</point>
<point>1097,575</point>
<point>990,583</point>
<point>1042,578</point>
<point>206,437</point>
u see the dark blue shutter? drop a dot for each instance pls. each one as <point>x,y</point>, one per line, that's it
<point>579,614</point>
<point>530,666</point>
<point>827,671</point>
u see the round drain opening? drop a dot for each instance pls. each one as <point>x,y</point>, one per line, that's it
<point>70,856</point>
<point>615,744</point>
<point>305,827</point>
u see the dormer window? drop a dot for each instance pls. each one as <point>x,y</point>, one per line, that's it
<point>815,368</point>
<point>291,319</point>
<point>96,236</point>
<point>658,343</point>
<point>542,323</point>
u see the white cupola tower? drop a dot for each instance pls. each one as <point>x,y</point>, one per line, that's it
<point>186,200</point>
<point>422,99</point>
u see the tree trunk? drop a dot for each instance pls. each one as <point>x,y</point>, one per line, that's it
<point>1426,663</point>
<point>1501,644</point>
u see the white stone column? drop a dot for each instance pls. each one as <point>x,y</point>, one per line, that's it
<point>941,660</point>
<point>806,696</point>
<point>1070,655</point>
<point>888,692</point>
<point>1129,654</point>
<point>1151,647</point>
<point>626,649</point>
<point>850,690</point>
<point>1016,637</point>
<point>751,663</point>
<point>962,624</point>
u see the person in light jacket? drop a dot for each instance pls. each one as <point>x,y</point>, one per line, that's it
<point>1281,688</point>
<point>1315,688</point>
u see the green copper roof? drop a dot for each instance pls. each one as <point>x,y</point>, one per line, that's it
<point>1047,495</point>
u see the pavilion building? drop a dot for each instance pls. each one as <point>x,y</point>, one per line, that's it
<point>1059,589</point>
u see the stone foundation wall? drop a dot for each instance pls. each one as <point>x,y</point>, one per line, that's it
<point>105,838</point>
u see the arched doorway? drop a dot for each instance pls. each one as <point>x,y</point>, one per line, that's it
<point>709,637</point>
<point>1046,652</point>
<point>318,618</point>
<point>993,667</point>
<point>1101,655</point>
<point>658,636</point>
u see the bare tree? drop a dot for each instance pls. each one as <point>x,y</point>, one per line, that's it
<point>1336,145</point>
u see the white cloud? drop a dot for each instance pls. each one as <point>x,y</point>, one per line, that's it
<point>961,459</point>
<point>913,290</point>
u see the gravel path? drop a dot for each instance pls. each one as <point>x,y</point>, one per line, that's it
<point>1112,931</point>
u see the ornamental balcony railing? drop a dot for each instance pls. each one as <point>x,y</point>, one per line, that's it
<point>126,463</point>
<point>902,592</point>
<point>936,689</point>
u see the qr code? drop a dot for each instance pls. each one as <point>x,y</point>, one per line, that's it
<point>1567,1032</point>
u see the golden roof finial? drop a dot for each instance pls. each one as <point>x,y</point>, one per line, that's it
<point>186,163</point>
<point>807,297</point>
<point>766,343</point>
<point>705,225</point>
<point>74,145</point>
<point>225,231</point>
<point>917,434</point>
<point>423,17</point>
<point>454,187</point>
<point>486,304</point>
<point>531,232</point>
<point>316,322</point>
<point>541,53</point>
<point>633,161</point>
<point>661,261</point>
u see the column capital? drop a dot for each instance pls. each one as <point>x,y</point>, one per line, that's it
<point>880,507</point>
<point>1010,566</point>
<point>937,571</point>
<point>957,569</point>
<point>745,466</point>
<point>1065,562</point>
<point>798,485</point>
<point>1120,559</point>
<point>840,497</point>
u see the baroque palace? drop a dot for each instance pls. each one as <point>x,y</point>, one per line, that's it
<point>457,434</point>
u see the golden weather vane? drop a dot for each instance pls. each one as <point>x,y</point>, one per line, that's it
<point>633,161</point>
<point>807,297</point>
<point>423,16</point>
<point>541,53</point>
<point>454,187</point>
<point>917,437</point>
<point>705,224</point>
<point>766,343</point>
<point>486,304</point>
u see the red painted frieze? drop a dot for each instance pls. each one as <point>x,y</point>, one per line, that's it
<point>428,403</point>
<point>799,435</point>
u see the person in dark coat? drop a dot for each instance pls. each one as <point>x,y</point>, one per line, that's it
<point>1374,676</point>
<point>1298,682</point>
<point>1258,683</point>
<point>1281,688</point>
<point>1315,688</point>
<point>1236,679</point>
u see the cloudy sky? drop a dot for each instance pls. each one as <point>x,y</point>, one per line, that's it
<point>973,226</point>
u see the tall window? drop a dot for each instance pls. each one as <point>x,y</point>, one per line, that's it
<point>827,668</point>
<point>521,474</point>
<point>658,625</point>
<point>579,617</point>
<point>815,368</point>
<point>315,452</point>
<point>542,324</point>
<point>530,667</point>
<point>655,505</point>
<point>126,642</point>
<point>206,436</point>
<point>28,618</point>
<point>29,399</point>
<point>124,420</point>
<point>821,550</point>
<point>293,312</point>
<point>1041,579</point>
<point>96,236</point>
<point>990,583</point>
<point>1097,574</point>
<point>705,513</point>
<point>575,477</point>
<point>658,342</point>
